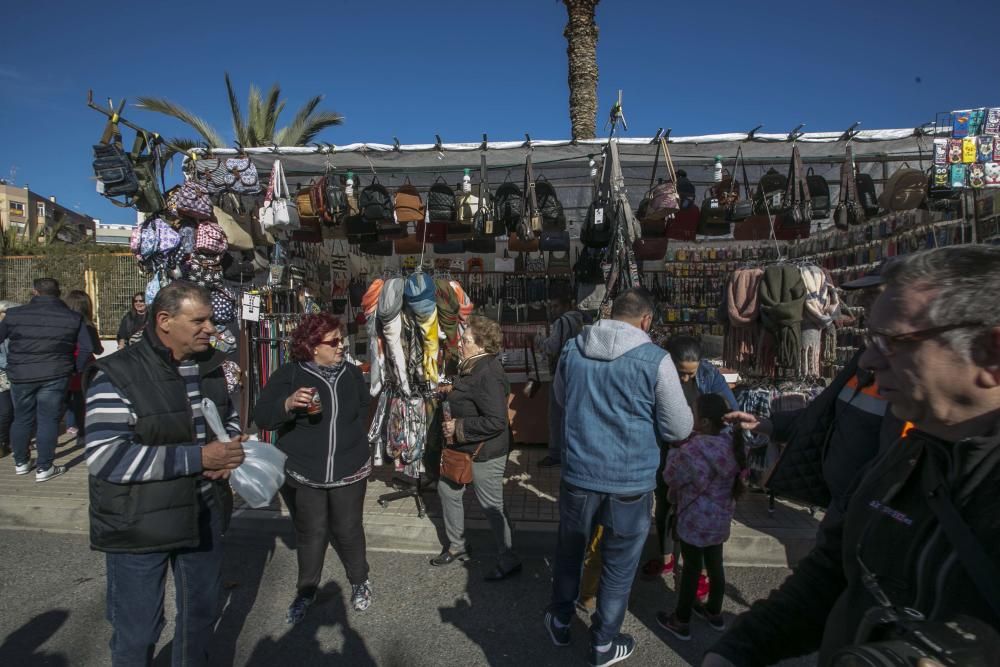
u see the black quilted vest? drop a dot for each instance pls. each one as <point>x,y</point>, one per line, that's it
<point>42,336</point>
<point>162,515</point>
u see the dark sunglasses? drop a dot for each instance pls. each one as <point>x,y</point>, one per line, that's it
<point>336,342</point>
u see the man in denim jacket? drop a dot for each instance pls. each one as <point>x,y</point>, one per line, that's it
<point>620,397</point>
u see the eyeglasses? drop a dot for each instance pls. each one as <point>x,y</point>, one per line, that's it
<point>334,342</point>
<point>886,343</point>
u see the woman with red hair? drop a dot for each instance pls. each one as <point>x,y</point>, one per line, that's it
<point>318,404</point>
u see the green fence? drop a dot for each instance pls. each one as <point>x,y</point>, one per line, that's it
<point>110,280</point>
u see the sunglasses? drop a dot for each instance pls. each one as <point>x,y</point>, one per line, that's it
<point>335,342</point>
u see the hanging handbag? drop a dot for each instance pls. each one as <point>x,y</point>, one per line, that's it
<point>683,226</point>
<point>516,244</point>
<point>797,203</point>
<point>849,211</point>
<point>535,264</point>
<point>284,214</point>
<point>379,248</point>
<point>554,241</point>
<point>663,198</point>
<point>484,222</point>
<point>191,200</point>
<point>360,230</point>
<point>505,264</point>
<point>532,223</point>
<point>409,204</point>
<point>210,239</point>
<point>559,263</point>
<point>741,209</point>
<point>650,250</point>
<point>456,466</point>
<point>449,248</point>
<point>486,246</point>
<point>408,245</point>
<point>237,231</point>
<point>304,202</point>
<point>432,232</point>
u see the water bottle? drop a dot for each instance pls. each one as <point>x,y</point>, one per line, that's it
<point>466,182</point>
<point>718,169</point>
<point>349,186</point>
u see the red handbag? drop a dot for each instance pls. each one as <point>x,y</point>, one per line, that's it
<point>684,225</point>
<point>210,239</point>
<point>754,228</point>
<point>650,249</point>
<point>437,232</point>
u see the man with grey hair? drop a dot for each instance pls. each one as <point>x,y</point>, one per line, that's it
<point>158,495</point>
<point>920,531</point>
<point>620,398</point>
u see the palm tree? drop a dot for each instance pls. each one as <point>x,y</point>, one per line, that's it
<point>581,48</point>
<point>258,128</point>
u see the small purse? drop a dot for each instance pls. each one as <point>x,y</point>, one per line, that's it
<point>505,264</point>
<point>554,242</point>
<point>456,465</point>
<point>516,244</point>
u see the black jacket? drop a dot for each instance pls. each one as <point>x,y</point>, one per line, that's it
<point>891,528</point>
<point>326,447</point>
<point>478,403</point>
<point>161,515</point>
<point>831,440</point>
<point>44,333</point>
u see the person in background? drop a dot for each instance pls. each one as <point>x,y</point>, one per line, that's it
<point>567,324</point>
<point>6,406</point>
<point>479,427</point>
<point>48,343</point>
<point>133,321</point>
<point>621,396</point>
<point>706,477</point>
<point>79,301</point>
<point>318,404</point>
<point>920,526</point>
<point>698,377</point>
<point>159,490</point>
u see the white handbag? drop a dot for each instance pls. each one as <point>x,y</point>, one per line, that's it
<point>279,211</point>
<point>504,264</point>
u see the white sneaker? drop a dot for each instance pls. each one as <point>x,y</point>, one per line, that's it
<point>54,471</point>
<point>23,468</point>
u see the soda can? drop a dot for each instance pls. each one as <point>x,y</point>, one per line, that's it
<point>315,404</point>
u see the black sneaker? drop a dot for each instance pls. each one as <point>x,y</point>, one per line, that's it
<point>558,635</point>
<point>674,625</point>
<point>549,462</point>
<point>361,596</point>
<point>622,647</point>
<point>297,610</point>
<point>715,621</point>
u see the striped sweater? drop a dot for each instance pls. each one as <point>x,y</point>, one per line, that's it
<point>111,450</point>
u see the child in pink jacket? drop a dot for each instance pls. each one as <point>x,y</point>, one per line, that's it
<point>706,476</point>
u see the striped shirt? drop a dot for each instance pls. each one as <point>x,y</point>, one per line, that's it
<point>112,451</point>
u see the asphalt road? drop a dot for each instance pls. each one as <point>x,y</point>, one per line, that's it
<point>52,611</point>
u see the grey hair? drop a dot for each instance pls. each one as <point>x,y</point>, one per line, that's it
<point>967,281</point>
<point>632,304</point>
<point>169,299</point>
<point>7,305</point>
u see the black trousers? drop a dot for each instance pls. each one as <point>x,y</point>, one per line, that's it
<point>662,508</point>
<point>323,516</point>
<point>694,559</point>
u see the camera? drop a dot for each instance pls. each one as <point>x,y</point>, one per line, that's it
<point>900,638</point>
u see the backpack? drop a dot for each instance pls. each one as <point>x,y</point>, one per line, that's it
<point>866,194</point>
<point>508,203</point>
<point>375,203</point>
<point>905,190</point>
<point>819,192</point>
<point>441,201</point>
<point>770,192</point>
<point>551,210</point>
<point>334,200</point>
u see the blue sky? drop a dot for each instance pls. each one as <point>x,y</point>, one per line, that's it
<point>461,68</point>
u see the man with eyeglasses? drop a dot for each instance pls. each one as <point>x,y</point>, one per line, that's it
<point>920,533</point>
<point>832,439</point>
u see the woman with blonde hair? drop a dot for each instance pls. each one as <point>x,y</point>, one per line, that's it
<point>478,427</point>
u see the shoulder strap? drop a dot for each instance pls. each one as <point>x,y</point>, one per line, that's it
<point>484,181</point>
<point>656,161</point>
<point>977,564</point>
<point>529,186</point>
<point>668,160</point>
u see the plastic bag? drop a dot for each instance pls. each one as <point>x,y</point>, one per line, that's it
<point>262,472</point>
<point>260,475</point>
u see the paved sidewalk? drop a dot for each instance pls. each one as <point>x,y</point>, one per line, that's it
<point>759,537</point>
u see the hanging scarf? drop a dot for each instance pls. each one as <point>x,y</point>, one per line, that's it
<point>782,296</point>
<point>821,299</point>
<point>447,308</point>
<point>743,309</point>
<point>376,358</point>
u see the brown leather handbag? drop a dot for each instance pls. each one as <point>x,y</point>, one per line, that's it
<point>456,466</point>
<point>409,205</point>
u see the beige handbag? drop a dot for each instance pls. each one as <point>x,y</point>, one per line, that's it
<point>237,231</point>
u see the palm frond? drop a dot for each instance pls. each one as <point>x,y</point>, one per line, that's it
<point>239,127</point>
<point>168,108</point>
<point>177,146</point>
<point>302,133</point>
<point>272,109</point>
<point>254,114</point>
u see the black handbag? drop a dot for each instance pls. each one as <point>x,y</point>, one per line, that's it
<point>741,209</point>
<point>554,242</point>
<point>449,248</point>
<point>484,246</point>
<point>380,248</point>
<point>849,211</point>
<point>360,230</point>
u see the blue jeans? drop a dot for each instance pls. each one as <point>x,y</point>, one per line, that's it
<point>626,525</point>
<point>136,592</point>
<point>38,406</point>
